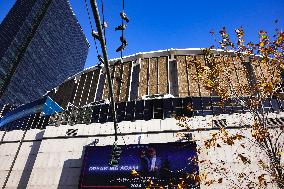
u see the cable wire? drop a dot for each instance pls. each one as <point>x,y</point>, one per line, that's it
<point>122,31</point>
<point>91,25</point>
<point>103,21</point>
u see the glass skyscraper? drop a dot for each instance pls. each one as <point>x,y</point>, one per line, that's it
<point>42,44</point>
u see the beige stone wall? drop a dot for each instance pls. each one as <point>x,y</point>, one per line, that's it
<point>124,90</point>
<point>163,75</point>
<point>51,159</point>
<point>143,77</point>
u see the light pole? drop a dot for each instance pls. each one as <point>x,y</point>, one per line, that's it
<point>105,58</point>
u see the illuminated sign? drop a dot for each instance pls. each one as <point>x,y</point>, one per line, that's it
<point>162,164</point>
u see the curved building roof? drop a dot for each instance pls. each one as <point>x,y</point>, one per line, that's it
<point>171,71</point>
<point>154,85</point>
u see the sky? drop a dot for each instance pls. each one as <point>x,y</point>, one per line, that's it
<point>164,24</point>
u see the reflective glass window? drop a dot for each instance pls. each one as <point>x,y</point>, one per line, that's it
<point>187,107</point>
<point>207,106</point>
<point>167,107</point>
<point>103,113</point>
<point>148,110</point>
<point>121,111</point>
<point>158,108</point>
<point>197,105</point>
<point>139,110</point>
<point>96,113</point>
<point>177,107</point>
<point>217,108</point>
<point>130,109</point>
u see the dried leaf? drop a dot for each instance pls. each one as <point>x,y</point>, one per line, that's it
<point>244,159</point>
<point>262,180</point>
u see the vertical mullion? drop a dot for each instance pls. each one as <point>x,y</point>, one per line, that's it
<point>91,82</point>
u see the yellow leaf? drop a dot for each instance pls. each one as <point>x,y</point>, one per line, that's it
<point>208,84</point>
<point>239,137</point>
<point>134,173</point>
<point>261,44</point>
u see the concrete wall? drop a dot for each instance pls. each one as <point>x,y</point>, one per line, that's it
<point>52,159</point>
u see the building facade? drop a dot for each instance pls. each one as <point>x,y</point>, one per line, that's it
<point>42,44</point>
<point>152,90</point>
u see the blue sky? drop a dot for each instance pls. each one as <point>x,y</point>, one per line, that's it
<point>164,24</point>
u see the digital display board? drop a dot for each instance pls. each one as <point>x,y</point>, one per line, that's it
<point>140,165</point>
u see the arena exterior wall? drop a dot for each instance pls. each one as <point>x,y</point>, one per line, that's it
<point>50,154</point>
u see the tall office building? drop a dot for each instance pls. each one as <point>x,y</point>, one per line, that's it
<point>42,44</point>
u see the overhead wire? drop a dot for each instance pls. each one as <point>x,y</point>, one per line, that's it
<point>121,55</point>
<point>104,24</point>
<point>122,31</point>
<point>121,52</point>
<point>91,25</point>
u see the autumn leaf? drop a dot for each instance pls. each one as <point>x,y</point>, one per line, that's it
<point>262,180</point>
<point>238,137</point>
<point>264,37</point>
<point>223,131</point>
<point>208,84</point>
<point>242,175</point>
<point>244,159</point>
<point>189,107</point>
<point>201,161</point>
<point>217,76</point>
<point>210,182</point>
<point>134,173</point>
<point>229,141</point>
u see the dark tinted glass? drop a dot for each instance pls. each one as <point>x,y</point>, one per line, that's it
<point>197,105</point>
<point>96,114</point>
<point>130,109</point>
<point>217,108</point>
<point>207,106</point>
<point>187,107</point>
<point>148,110</point>
<point>139,110</point>
<point>177,107</point>
<point>121,111</point>
<point>103,113</point>
<point>158,108</point>
<point>168,107</point>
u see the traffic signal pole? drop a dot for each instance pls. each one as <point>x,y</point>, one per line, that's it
<point>105,58</point>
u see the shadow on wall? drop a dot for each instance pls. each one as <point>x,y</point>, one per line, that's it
<point>70,174</point>
<point>30,162</point>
